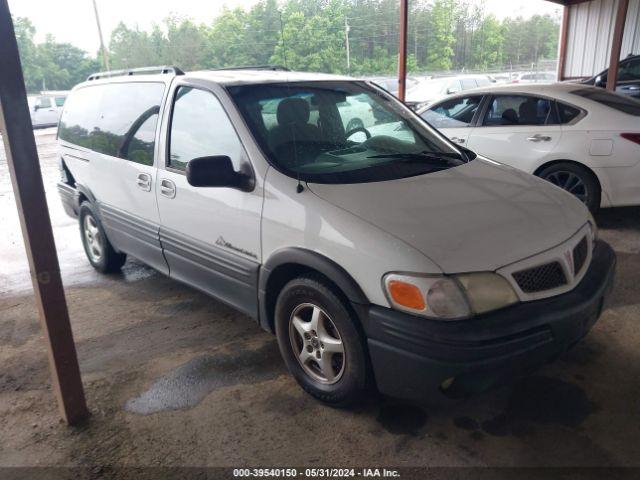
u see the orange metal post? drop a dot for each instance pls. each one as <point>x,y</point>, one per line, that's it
<point>402,50</point>
<point>616,44</point>
<point>562,56</point>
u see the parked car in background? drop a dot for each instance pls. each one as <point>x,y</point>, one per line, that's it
<point>431,90</point>
<point>583,139</point>
<point>397,261</point>
<point>534,77</point>
<point>628,77</point>
<point>45,108</point>
<point>390,84</point>
<point>499,77</point>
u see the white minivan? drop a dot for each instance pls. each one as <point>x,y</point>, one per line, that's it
<point>397,261</point>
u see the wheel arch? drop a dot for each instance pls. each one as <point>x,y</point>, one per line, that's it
<point>289,263</point>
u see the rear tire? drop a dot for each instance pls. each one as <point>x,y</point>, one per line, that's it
<point>320,343</point>
<point>576,180</point>
<point>99,250</point>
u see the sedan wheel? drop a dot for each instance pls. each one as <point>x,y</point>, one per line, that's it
<point>575,179</point>
<point>570,182</point>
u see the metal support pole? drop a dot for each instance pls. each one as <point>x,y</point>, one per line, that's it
<point>402,50</point>
<point>346,40</point>
<point>564,35</point>
<point>616,44</point>
<point>26,178</point>
<point>105,54</point>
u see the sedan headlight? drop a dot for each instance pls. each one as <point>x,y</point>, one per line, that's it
<point>448,297</point>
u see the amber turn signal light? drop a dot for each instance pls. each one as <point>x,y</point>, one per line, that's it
<point>406,294</point>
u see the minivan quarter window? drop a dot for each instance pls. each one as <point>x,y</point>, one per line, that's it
<point>117,119</point>
<point>200,127</point>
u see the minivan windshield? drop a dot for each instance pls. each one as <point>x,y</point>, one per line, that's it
<point>340,132</point>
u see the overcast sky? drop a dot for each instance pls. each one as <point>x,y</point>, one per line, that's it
<point>73,21</point>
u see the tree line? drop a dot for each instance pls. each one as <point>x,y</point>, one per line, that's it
<point>309,35</point>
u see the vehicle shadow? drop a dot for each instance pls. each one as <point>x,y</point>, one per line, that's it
<point>619,218</point>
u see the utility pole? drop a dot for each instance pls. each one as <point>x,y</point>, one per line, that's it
<point>105,55</point>
<point>346,39</point>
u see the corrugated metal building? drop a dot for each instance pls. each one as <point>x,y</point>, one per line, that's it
<point>592,30</point>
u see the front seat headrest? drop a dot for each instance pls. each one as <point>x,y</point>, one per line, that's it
<point>293,110</point>
<point>528,111</point>
<point>510,117</point>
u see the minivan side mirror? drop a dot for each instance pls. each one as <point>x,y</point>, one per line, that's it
<point>598,82</point>
<point>217,171</point>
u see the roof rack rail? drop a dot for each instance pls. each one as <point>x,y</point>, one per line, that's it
<point>275,68</point>
<point>136,71</point>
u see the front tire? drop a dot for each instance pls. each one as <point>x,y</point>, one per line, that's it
<point>320,342</point>
<point>576,180</point>
<point>99,250</point>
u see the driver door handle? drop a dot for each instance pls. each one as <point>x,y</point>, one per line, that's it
<point>167,188</point>
<point>539,138</point>
<point>457,140</point>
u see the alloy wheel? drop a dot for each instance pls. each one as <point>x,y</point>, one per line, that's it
<point>570,182</point>
<point>93,238</point>
<point>316,343</point>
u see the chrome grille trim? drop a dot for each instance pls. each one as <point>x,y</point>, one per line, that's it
<point>567,254</point>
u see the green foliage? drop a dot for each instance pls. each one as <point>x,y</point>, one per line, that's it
<point>307,35</point>
<point>50,65</point>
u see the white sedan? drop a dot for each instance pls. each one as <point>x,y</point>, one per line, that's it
<point>585,140</point>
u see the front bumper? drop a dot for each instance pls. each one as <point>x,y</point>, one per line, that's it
<point>413,356</point>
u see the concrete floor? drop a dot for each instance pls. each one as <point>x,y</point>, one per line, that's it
<point>174,378</point>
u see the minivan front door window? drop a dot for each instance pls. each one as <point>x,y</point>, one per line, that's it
<point>200,128</point>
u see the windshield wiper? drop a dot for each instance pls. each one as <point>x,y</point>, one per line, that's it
<point>419,155</point>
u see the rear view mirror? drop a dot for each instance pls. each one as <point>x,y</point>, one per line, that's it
<point>452,90</point>
<point>599,82</point>
<point>217,171</point>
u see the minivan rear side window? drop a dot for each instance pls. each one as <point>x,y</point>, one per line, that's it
<point>117,119</point>
<point>622,103</point>
<point>200,127</point>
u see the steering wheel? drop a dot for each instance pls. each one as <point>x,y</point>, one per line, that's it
<point>366,132</point>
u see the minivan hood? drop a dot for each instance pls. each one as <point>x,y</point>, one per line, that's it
<point>479,216</point>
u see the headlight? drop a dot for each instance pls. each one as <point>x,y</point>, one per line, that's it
<point>487,291</point>
<point>448,297</point>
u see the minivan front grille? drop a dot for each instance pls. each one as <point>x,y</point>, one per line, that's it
<point>580,255</point>
<point>540,278</point>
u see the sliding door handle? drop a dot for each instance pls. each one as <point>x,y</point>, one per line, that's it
<point>144,182</point>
